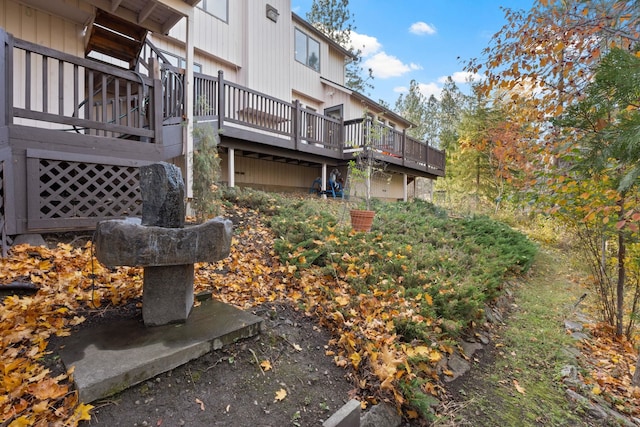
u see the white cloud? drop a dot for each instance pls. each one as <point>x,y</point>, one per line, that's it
<point>382,65</point>
<point>421,28</point>
<point>428,89</point>
<point>385,66</point>
<point>367,44</point>
<point>461,77</point>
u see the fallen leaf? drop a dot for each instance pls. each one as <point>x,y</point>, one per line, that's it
<point>355,360</point>
<point>297,347</point>
<point>518,387</point>
<point>596,390</point>
<point>266,365</point>
<point>201,403</point>
<point>280,395</point>
<point>81,412</point>
<point>342,300</point>
<point>20,422</point>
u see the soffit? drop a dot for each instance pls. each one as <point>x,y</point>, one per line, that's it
<point>155,16</point>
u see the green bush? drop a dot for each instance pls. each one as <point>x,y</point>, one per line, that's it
<point>415,248</point>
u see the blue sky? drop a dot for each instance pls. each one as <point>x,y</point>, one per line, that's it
<point>422,40</point>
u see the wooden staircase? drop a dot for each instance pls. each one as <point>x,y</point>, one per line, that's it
<point>116,37</point>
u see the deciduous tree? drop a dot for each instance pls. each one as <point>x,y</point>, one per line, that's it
<point>605,126</point>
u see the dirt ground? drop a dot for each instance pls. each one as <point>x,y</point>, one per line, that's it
<point>235,386</point>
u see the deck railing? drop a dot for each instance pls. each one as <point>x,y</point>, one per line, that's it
<point>60,91</point>
<point>319,130</point>
<point>48,88</point>
<point>247,107</point>
<point>392,144</point>
<point>172,79</point>
<point>230,103</point>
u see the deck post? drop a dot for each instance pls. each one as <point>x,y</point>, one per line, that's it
<point>296,123</point>
<point>221,101</point>
<point>188,99</point>
<point>324,181</point>
<point>6,76</point>
<point>402,148</point>
<point>426,156</point>
<point>405,191</point>
<point>157,100</point>
<point>232,167</point>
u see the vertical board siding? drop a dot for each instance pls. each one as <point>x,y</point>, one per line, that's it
<point>265,173</point>
<point>270,50</point>
<point>48,30</point>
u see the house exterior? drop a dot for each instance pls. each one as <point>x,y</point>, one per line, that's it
<point>93,89</point>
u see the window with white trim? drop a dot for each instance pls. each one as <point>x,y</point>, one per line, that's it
<point>307,50</point>
<point>217,8</point>
<point>180,62</point>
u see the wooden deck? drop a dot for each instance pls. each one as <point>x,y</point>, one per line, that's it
<point>73,133</point>
<point>245,114</point>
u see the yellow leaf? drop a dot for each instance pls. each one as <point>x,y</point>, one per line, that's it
<point>355,359</point>
<point>41,406</point>
<point>421,350</point>
<point>342,300</point>
<point>596,390</point>
<point>428,299</point>
<point>435,356</point>
<point>81,412</point>
<point>518,387</point>
<point>280,395</point>
<point>266,365</point>
<point>20,422</point>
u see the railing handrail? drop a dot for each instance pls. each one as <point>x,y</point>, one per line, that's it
<point>255,92</point>
<point>86,63</point>
<point>89,107</point>
<point>250,108</point>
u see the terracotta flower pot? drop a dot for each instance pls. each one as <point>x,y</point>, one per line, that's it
<point>361,220</point>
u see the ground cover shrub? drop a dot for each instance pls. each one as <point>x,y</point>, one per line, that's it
<point>415,248</point>
<point>395,296</point>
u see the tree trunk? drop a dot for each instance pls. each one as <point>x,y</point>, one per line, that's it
<point>635,381</point>
<point>621,274</point>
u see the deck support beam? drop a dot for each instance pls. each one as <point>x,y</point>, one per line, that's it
<point>324,180</point>
<point>232,168</point>
<point>188,102</point>
<point>405,192</point>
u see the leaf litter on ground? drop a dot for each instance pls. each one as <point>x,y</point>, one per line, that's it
<point>389,302</point>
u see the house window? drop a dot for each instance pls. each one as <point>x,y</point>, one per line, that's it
<point>307,50</point>
<point>217,8</point>
<point>180,62</point>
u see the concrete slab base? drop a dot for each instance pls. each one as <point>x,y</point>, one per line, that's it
<point>110,358</point>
